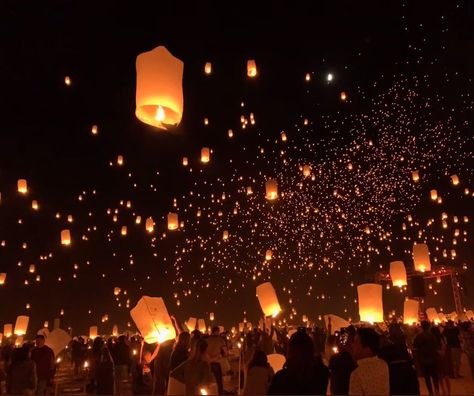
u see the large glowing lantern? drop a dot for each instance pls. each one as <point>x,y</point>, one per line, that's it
<point>191,324</point>
<point>3,278</point>
<point>173,222</point>
<point>21,325</point>
<point>410,311</point>
<point>201,325</point>
<point>65,237</point>
<point>251,68</point>
<point>454,180</point>
<point>22,186</point>
<point>159,95</point>
<point>398,273</point>
<point>271,189</point>
<point>152,320</point>
<point>370,302</point>
<point>432,315</point>
<point>7,330</point>
<point>93,332</point>
<point>434,195</point>
<point>421,257</point>
<point>205,155</point>
<point>149,224</point>
<point>268,299</point>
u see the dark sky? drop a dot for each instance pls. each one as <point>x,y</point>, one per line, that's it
<point>46,125</point>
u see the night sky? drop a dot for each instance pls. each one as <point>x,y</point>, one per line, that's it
<point>406,68</point>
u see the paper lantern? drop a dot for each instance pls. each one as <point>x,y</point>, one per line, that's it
<point>343,96</point>
<point>306,171</point>
<point>115,331</point>
<point>421,257</point>
<point>208,68</point>
<point>95,129</point>
<point>410,311</point>
<point>205,155</point>
<point>211,316</point>
<point>19,341</point>
<point>159,94</point>
<point>185,161</point>
<point>201,325</point>
<point>152,320</point>
<point>268,299</point>
<point>173,222</point>
<point>149,224</point>
<point>191,324</point>
<point>271,189</point>
<point>454,180</point>
<point>268,255</point>
<point>3,278</point>
<point>34,204</point>
<point>93,332</point>
<point>241,327</point>
<point>117,291</point>
<point>398,273</point>
<point>58,340</point>
<point>434,195</point>
<point>22,186</point>
<point>8,330</point>
<point>470,314</point>
<point>32,269</point>
<point>65,237</point>
<point>21,325</point>
<point>432,315</point>
<point>123,230</point>
<point>283,137</point>
<point>225,235</point>
<point>337,323</point>
<point>415,176</point>
<point>276,361</point>
<point>138,220</point>
<point>370,302</point>
<point>251,68</point>
<point>120,160</point>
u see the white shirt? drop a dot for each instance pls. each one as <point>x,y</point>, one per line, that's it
<point>370,377</point>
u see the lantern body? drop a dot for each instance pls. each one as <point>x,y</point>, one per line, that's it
<point>152,320</point>
<point>225,235</point>
<point>432,315</point>
<point>117,291</point>
<point>149,224</point>
<point>3,278</point>
<point>268,299</point>
<point>185,161</point>
<point>454,180</point>
<point>337,323</point>
<point>201,325</point>
<point>434,195</point>
<point>415,176</point>
<point>120,160</point>
<point>21,325</point>
<point>93,332</point>
<point>123,230</point>
<point>268,255</point>
<point>410,311</point>
<point>211,316</point>
<point>34,204</point>
<point>306,171</point>
<point>65,237</point>
<point>173,222</point>
<point>205,155</point>
<point>8,330</point>
<point>271,189</point>
<point>421,257</point>
<point>115,331</point>
<point>22,186</point>
<point>398,273</point>
<point>191,324</point>
<point>370,302</point>
<point>208,68</point>
<point>251,68</point>
<point>159,94</point>
<point>276,361</point>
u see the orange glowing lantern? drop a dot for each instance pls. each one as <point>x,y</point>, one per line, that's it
<point>34,204</point>
<point>434,195</point>
<point>3,278</point>
<point>370,302</point>
<point>22,185</point>
<point>415,176</point>
<point>398,273</point>
<point>268,299</point>
<point>149,225</point>
<point>173,222</point>
<point>268,255</point>
<point>205,155</point>
<point>421,257</point>
<point>93,332</point>
<point>123,230</point>
<point>251,68</point>
<point>271,189</point>
<point>306,170</point>
<point>65,237</point>
<point>410,311</point>
<point>185,161</point>
<point>454,180</point>
<point>208,68</point>
<point>21,325</point>
<point>225,235</point>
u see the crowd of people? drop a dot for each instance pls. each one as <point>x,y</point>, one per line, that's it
<point>350,361</point>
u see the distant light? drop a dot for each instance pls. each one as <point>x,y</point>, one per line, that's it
<point>330,77</point>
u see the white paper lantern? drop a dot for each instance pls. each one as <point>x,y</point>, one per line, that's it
<point>398,273</point>
<point>410,311</point>
<point>370,302</point>
<point>268,299</point>
<point>421,257</point>
<point>21,325</point>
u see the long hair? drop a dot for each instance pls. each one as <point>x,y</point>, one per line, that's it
<point>199,350</point>
<point>184,340</point>
<point>300,358</point>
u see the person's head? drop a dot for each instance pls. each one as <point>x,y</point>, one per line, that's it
<point>395,333</point>
<point>200,351</point>
<point>366,343</point>
<point>184,340</point>
<point>97,344</point>
<point>215,330</point>
<point>425,325</point>
<point>259,359</point>
<point>196,334</point>
<point>39,340</point>
<point>300,351</point>
<point>122,340</point>
<point>20,354</point>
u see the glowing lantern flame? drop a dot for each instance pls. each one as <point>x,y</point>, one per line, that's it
<point>268,299</point>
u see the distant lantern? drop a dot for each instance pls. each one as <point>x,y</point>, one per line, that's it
<point>454,180</point>
<point>307,77</point>
<point>283,137</point>
<point>32,269</point>
<point>268,255</point>
<point>268,299</point>
<point>152,320</point>
<point>95,129</point>
<point>115,331</point>
<point>138,220</point>
<point>185,161</point>
<point>173,222</point>
<point>201,325</point>
<point>3,278</point>
<point>123,230</point>
<point>329,77</point>
<point>415,176</point>
<point>434,195</point>
<point>432,315</point>
<point>398,273</point>
<point>117,291</point>
<point>191,324</point>
<point>306,171</point>
<point>149,224</point>
<point>93,332</point>
<point>21,325</point>
<point>225,235</point>
<point>271,189</point>
<point>205,155</point>
<point>208,68</point>
<point>70,219</point>
<point>370,302</point>
<point>67,80</point>
<point>34,204</point>
<point>159,94</point>
<point>65,237</point>
<point>211,316</point>
<point>7,330</point>
<point>410,311</point>
<point>251,68</point>
<point>230,133</point>
<point>22,186</point>
<point>343,96</point>
<point>249,190</point>
<point>421,257</point>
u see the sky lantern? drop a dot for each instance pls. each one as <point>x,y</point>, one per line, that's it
<point>208,68</point>
<point>67,80</point>
<point>65,237</point>
<point>173,222</point>
<point>205,155</point>
<point>117,291</point>
<point>34,204</point>
<point>271,189</point>
<point>201,326</point>
<point>21,325</point>
<point>22,185</point>
<point>410,311</point>
<point>329,77</point>
<point>3,278</point>
<point>152,320</point>
<point>120,160</point>
<point>95,129</point>
<point>138,220</point>
<point>454,180</point>
<point>159,94</point>
<point>434,195</point>
<point>370,302</point>
<point>185,161</point>
<point>32,269</point>
<point>343,96</point>
<point>398,273</point>
<point>268,299</point>
<point>211,316</point>
<point>283,137</point>
<point>432,315</point>
<point>149,225</point>
<point>421,257</point>
<point>225,235</point>
<point>115,332</point>
<point>306,170</point>
<point>93,332</point>
<point>307,77</point>
<point>191,323</point>
<point>123,230</point>
<point>251,68</point>
<point>268,255</point>
<point>415,176</point>
<point>7,330</point>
